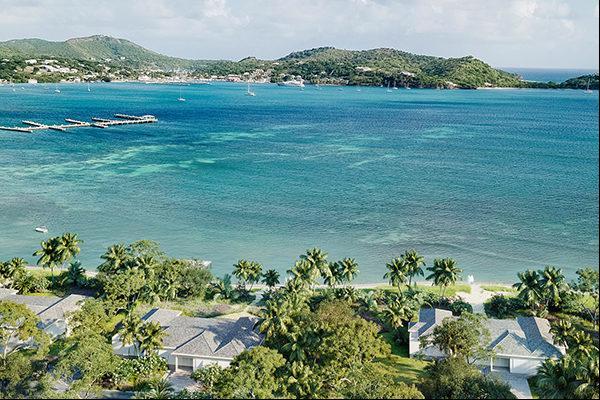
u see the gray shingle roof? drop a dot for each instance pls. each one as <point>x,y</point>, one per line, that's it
<point>208,337</point>
<point>161,315</point>
<point>428,319</point>
<point>59,309</point>
<point>524,336</point>
<point>37,304</point>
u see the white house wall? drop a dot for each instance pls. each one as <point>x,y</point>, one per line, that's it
<point>526,366</point>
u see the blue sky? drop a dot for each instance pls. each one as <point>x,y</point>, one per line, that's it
<point>524,33</point>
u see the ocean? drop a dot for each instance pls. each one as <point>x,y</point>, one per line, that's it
<point>500,180</point>
<point>549,74</point>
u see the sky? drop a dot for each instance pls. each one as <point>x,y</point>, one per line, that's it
<point>504,33</point>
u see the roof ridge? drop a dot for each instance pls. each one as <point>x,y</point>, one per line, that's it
<point>189,340</point>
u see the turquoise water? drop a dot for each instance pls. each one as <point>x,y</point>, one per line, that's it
<point>500,180</point>
<point>550,74</point>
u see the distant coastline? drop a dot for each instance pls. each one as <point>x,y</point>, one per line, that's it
<point>104,58</point>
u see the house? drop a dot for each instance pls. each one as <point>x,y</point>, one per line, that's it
<point>190,343</point>
<point>520,345</point>
<point>51,310</point>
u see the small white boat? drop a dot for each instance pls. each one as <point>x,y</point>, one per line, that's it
<point>56,90</point>
<point>41,229</point>
<point>180,98</point>
<point>587,88</point>
<point>249,92</point>
<point>88,87</point>
<point>297,82</point>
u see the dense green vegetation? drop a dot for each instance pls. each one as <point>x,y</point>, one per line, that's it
<point>92,48</point>
<point>103,57</point>
<point>323,338</point>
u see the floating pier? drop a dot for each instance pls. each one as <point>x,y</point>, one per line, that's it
<point>123,119</point>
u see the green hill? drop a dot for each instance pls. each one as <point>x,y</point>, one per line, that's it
<point>97,47</point>
<point>582,82</point>
<point>383,66</point>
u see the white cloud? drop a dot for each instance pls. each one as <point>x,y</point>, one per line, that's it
<point>559,33</point>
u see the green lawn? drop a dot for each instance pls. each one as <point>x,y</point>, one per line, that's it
<point>499,288</point>
<point>398,366</point>
<point>451,290</point>
<point>202,308</point>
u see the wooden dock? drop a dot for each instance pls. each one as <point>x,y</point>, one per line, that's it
<point>123,119</point>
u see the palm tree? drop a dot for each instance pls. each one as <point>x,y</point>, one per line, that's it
<point>222,288</point>
<point>274,319</point>
<point>317,258</point>
<point>242,271</point>
<point>331,274</point>
<point>529,288</point>
<point>555,379</point>
<point>444,273</point>
<point>414,262</point>
<point>115,259</point>
<point>562,331</point>
<point>397,270</point>
<point>552,284</point>
<point>68,247</point>
<point>75,275</point>
<point>254,273</point>
<point>581,345</point>
<point>348,268</point>
<point>305,272</point>
<point>157,389</point>
<point>24,283</point>
<point>400,309</point>
<point>151,337</point>
<point>147,264</point>
<point>297,343</point>
<point>131,331</point>
<point>588,375</point>
<point>271,278</point>
<point>48,254</point>
<point>10,270</point>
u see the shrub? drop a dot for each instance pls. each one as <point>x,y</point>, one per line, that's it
<point>454,378</point>
<point>503,307</point>
<point>193,281</point>
<point>459,307</point>
<point>27,283</point>
<point>137,371</point>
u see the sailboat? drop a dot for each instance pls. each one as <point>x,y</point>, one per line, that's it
<point>248,91</point>
<point>587,87</point>
<point>180,98</point>
<point>88,88</point>
<point>388,88</point>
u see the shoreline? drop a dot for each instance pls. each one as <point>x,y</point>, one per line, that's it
<point>362,285</point>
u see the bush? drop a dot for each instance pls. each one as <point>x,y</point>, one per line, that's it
<point>138,371</point>
<point>193,282</point>
<point>27,283</point>
<point>459,307</point>
<point>454,378</point>
<point>503,307</point>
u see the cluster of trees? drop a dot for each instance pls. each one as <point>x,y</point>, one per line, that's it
<point>142,273</point>
<point>54,253</point>
<point>323,350</point>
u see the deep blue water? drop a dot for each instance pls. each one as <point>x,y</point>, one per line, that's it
<point>549,74</point>
<point>500,180</point>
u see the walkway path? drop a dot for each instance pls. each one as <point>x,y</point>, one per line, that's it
<point>477,297</point>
